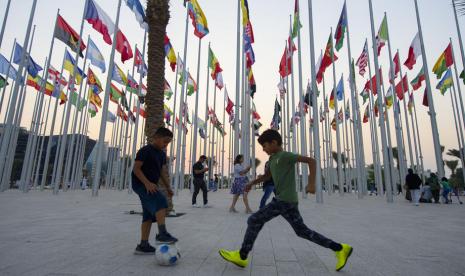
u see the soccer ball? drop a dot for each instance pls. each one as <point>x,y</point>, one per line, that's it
<point>167,254</point>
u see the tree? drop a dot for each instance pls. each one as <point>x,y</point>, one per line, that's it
<point>455,153</point>
<point>158,16</point>
<point>452,165</point>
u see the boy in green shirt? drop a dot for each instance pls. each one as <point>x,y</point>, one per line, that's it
<point>282,168</point>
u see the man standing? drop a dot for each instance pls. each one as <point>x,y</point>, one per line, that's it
<point>413,182</point>
<point>199,183</point>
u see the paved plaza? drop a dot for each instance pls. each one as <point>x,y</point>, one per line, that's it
<point>76,234</point>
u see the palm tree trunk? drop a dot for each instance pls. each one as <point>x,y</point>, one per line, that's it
<point>158,15</point>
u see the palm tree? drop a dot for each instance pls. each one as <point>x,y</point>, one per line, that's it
<point>158,15</point>
<point>455,153</point>
<point>452,165</point>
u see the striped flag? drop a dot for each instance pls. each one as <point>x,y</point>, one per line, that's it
<point>362,61</point>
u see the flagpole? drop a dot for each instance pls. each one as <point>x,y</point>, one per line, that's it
<point>345,142</point>
<point>139,89</point>
<point>101,139</point>
<point>409,140</point>
<point>8,128</point>
<point>238,54</point>
<point>6,78</point>
<point>224,128</point>
<point>386,161</point>
<point>206,104</point>
<point>459,35</point>
<point>210,172</point>
<point>397,122</point>
<point>357,128</point>
<point>458,127</point>
<point>111,154</point>
<point>328,134</point>
<point>458,83</point>
<point>384,110</point>
<point>432,112</point>
<point>179,131</point>
<point>196,110</point>
<point>377,161</point>
<point>4,22</point>
<point>417,166</point>
<point>40,148</point>
<point>173,120</point>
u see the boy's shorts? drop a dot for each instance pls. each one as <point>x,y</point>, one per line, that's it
<point>151,203</point>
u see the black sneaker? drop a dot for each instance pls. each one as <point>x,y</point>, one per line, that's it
<point>165,238</point>
<point>144,250</point>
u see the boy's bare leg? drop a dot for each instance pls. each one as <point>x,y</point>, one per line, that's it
<point>145,230</point>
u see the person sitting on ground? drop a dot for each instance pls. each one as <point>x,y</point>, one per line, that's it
<point>426,195</point>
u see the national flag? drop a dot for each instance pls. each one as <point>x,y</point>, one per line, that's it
<point>245,12</point>
<point>167,114</point>
<point>92,109</point>
<point>443,62</point>
<point>366,115</point>
<point>123,46</point>
<point>389,98</point>
<point>95,99</point>
<point>143,91</point>
<point>124,101</point>
<point>120,113</point>
<point>396,63</point>
<point>32,67</point>
<point>446,82</point>
<point>119,76</point>
<point>382,36</point>
<point>462,76</point>
<point>285,66</point>
<point>347,111</point>
<point>141,111</point>
<point>99,20</point>
<point>326,61</point>
<point>425,98</point>
<point>167,91</point>
<point>402,87</point>
<point>296,26</point>
<point>410,103</point>
<point>252,84</point>
<point>131,117</point>
<point>115,94</point>
<point>341,29</point>
<point>65,33</point>
<point>413,52</point>
<point>199,21</point>
<point>376,107</point>
<point>132,85</point>
<point>281,87</point>
<point>248,33</point>
<point>77,101</point>
<point>6,68</point>
<point>93,81</point>
<point>38,83</point>
<point>219,81</point>
<point>138,10</point>
<point>372,85</point>
<point>69,66</point>
<point>364,94</point>
<point>331,100</point>
<point>333,124</point>
<point>416,82</point>
<point>191,84</point>
<point>340,90</point>
<point>169,53</point>
<point>276,120</point>
<point>362,61</point>
<point>249,54</point>
<point>111,118</point>
<point>140,64</point>
<point>95,56</point>
<point>213,64</point>
<point>229,104</point>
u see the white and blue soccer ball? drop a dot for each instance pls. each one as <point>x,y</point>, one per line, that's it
<point>167,254</point>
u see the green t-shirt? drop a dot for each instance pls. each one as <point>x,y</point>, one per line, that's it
<point>282,167</point>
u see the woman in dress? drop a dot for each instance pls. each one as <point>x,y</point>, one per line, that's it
<point>238,187</point>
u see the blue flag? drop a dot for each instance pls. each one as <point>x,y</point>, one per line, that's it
<point>340,90</point>
<point>32,67</point>
<point>138,10</point>
<point>95,56</point>
<point>4,68</point>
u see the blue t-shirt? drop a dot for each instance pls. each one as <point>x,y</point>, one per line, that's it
<point>152,160</point>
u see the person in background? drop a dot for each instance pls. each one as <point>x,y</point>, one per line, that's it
<point>268,187</point>
<point>445,189</point>
<point>433,183</point>
<point>238,186</point>
<point>413,182</point>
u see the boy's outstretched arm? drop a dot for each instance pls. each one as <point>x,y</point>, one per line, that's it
<point>259,179</point>
<point>312,176</point>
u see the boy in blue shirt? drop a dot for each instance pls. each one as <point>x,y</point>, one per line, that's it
<point>148,165</point>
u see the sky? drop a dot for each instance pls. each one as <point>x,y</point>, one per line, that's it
<point>270,20</point>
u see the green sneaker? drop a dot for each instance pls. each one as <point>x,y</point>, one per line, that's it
<point>342,256</point>
<point>233,257</point>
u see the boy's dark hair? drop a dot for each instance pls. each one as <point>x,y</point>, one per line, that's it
<point>202,157</point>
<point>163,132</point>
<point>410,171</point>
<point>269,135</point>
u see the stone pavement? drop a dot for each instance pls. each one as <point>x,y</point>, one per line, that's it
<point>76,234</point>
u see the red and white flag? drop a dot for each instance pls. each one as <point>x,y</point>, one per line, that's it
<point>413,53</point>
<point>362,61</point>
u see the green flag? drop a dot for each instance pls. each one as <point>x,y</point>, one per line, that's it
<point>77,101</point>
<point>462,76</point>
<point>3,82</point>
